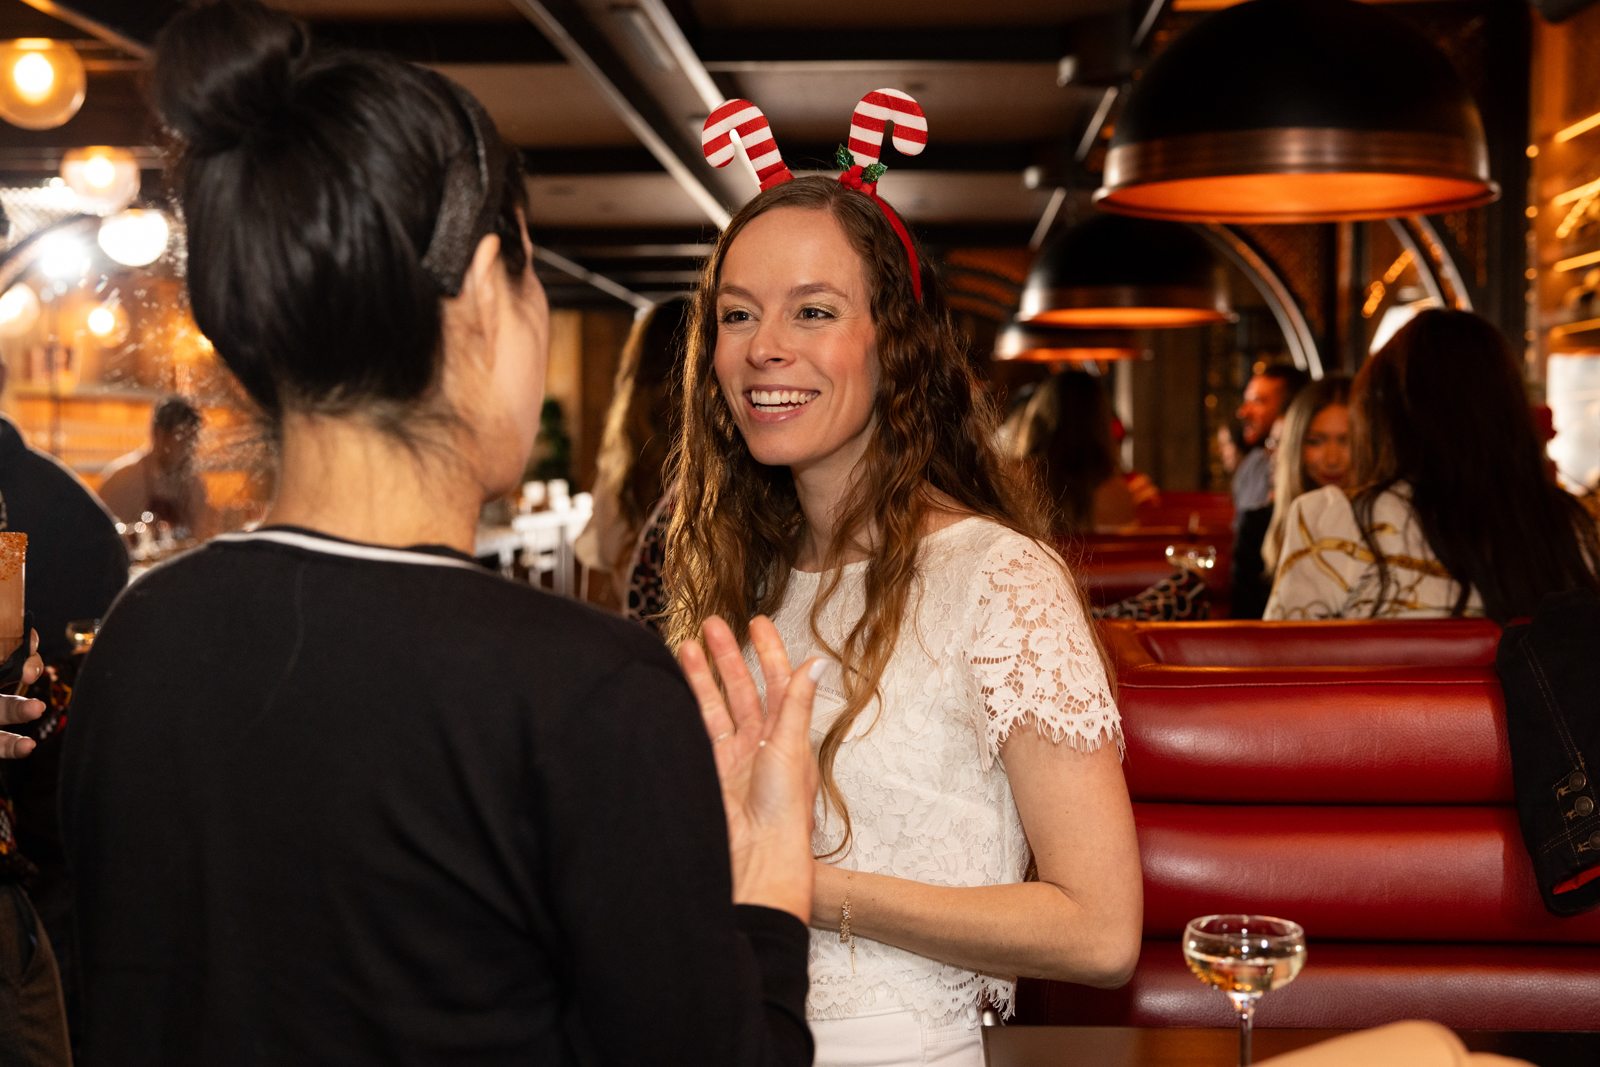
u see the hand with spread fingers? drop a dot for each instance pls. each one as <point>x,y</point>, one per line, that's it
<point>15,710</point>
<point>764,761</point>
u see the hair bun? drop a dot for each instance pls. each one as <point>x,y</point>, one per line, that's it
<point>225,69</point>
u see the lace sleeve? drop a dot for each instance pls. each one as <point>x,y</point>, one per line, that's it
<point>1032,652</point>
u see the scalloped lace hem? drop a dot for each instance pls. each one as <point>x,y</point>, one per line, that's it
<point>935,1001</point>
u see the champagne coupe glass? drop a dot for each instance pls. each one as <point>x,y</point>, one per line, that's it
<point>1244,956</point>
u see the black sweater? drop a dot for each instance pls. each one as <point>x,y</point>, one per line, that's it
<point>334,804</point>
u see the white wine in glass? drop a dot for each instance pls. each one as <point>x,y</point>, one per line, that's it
<point>1245,956</point>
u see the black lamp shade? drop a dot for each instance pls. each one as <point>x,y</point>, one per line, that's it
<point>1297,111</point>
<point>1113,272</point>
<point>1032,342</point>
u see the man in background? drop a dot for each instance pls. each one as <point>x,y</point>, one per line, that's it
<point>160,479</point>
<point>1266,398</point>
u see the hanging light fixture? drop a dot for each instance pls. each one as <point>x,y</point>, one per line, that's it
<point>1297,111</point>
<point>19,311</point>
<point>1113,272</point>
<point>106,179</point>
<point>42,82</point>
<point>134,238</point>
<point>108,323</point>
<point>1034,343</point>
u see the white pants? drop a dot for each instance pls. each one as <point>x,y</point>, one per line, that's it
<point>894,1040</point>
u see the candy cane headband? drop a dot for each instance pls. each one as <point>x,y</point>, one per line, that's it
<point>859,162</point>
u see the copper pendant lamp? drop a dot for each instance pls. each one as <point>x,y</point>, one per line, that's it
<point>1112,272</point>
<point>1297,111</point>
<point>1035,343</point>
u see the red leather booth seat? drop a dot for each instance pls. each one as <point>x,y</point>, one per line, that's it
<point>1211,511</point>
<point>1374,807</point>
<point>1341,643</point>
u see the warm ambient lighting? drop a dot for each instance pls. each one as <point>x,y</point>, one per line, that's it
<point>1567,328</point>
<point>1043,344</point>
<point>1575,262</point>
<point>1581,126</point>
<point>42,82</point>
<point>19,311</point>
<point>1111,271</point>
<point>1577,193</point>
<point>62,256</point>
<point>134,238</point>
<point>105,179</point>
<point>109,323</point>
<point>1112,317</point>
<point>1297,111</point>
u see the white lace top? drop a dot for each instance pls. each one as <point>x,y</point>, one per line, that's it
<point>1000,640</point>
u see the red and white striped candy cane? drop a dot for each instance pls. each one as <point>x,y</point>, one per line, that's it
<point>745,119</point>
<point>876,110</point>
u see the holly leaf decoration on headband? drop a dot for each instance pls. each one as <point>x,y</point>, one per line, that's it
<point>869,174</point>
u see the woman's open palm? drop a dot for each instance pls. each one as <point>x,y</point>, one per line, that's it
<point>764,761</point>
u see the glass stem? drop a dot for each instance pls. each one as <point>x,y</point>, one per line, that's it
<point>1245,1005</point>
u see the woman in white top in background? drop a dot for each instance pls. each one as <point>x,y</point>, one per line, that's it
<point>1452,512</point>
<point>837,475</point>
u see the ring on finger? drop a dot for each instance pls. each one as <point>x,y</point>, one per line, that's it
<point>723,736</point>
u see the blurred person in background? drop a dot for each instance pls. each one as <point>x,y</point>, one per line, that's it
<point>1452,512</point>
<point>160,479</point>
<point>1313,450</point>
<point>1266,397</point>
<point>1228,437</point>
<point>640,429</point>
<point>1065,431</point>
<point>77,564</point>
<point>34,1030</point>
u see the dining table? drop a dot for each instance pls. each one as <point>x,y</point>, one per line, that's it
<point>1131,1046</point>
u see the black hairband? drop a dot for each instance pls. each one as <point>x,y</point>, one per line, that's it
<point>473,188</point>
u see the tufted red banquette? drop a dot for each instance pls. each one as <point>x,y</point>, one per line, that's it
<point>1425,642</point>
<point>1373,806</point>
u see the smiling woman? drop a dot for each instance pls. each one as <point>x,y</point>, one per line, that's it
<point>837,473</point>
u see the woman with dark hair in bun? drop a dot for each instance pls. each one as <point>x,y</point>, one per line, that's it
<point>335,794</point>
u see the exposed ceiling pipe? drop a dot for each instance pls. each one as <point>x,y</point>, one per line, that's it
<point>88,19</point>
<point>599,281</point>
<point>571,26</point>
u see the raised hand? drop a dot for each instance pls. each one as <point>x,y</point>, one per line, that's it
<point>764,761</point>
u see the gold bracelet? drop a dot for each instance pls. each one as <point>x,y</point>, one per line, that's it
<point>845,936</point>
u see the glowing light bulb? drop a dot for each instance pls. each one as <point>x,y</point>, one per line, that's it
<point>19,310</point>
<point>100,172</point>
<point>42,82</point>
<point>102,321</point>
<point>33,76</point>
<point>134,238</point>
<point>62,257</point>
<point>106,179</point>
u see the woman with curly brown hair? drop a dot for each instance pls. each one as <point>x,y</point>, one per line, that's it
<point>836,474</point>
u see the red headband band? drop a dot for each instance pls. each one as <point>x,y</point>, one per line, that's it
<point>858,163</point>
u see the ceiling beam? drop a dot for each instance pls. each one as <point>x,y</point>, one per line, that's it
<point>130,25</point>
<point>444,41</point>
<point>636,56</point>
